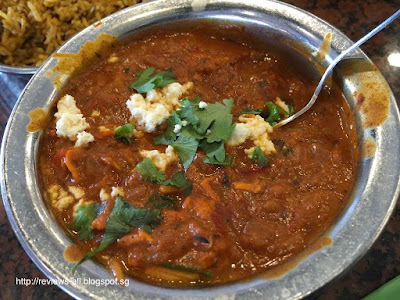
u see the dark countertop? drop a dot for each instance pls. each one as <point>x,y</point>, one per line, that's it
<point>378,266</point>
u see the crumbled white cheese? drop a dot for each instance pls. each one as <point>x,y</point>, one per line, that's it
<point>61,199</point>
<point>266,145</point>
<point>69,125</point>
<point>161,160</point>
<point>104,196</point>
<point>157,106</point>
<point>77,192</point>
<point>184,123</point>
<point>177,128</point>
<point>252,127</point>
<point>146,114</point>
<point>116,190</point>
<point>70,121</point>
<point>66,104</point>
<point>83,139</point>
<point>202,104</point>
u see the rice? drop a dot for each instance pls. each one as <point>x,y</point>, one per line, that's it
<point>31,30</point>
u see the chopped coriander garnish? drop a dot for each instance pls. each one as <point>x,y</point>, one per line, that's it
<point>259,156</point>
<point>158,201</point>
<point>251,111</point>
<point>124,133</point>
<point>226,162</point>
<point>151,173</point>
<point>215,153</point>
<point>274,113</point>
<point>218,119</point>
<point>145,83</point>
<point>187,269</point>
<point>179,180</point>
<point>209,127</point>
<point>85,215</point>
<point>120,222</point>
<point>186,111</point>
<point>270,112</point>
<point>186,148</point>
<point>169,135</point>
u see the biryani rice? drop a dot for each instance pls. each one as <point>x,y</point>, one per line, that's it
<point>31,30</point>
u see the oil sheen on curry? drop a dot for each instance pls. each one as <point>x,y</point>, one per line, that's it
<point>162,162</point>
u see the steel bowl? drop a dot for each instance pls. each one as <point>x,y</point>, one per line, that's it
<point>354,230</point>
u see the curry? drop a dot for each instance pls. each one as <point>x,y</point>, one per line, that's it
<point>162,162</point>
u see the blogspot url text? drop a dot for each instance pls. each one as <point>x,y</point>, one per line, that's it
<point>75,281</point>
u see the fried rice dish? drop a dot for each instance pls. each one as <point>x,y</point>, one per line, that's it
<point>31,30</point>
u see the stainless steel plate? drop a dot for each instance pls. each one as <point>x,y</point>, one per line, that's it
<point>367,211</point>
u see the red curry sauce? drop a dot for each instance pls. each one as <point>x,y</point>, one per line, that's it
<point>232,232</point>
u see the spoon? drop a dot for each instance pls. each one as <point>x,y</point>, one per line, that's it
<point>333,64</point>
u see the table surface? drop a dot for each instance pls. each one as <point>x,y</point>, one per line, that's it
<point>378,266</point>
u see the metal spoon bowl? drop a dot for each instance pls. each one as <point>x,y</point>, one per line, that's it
<point>333,64</point>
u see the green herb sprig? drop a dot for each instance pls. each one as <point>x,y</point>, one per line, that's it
<point>207,127</point>
<point>85,215</point>
<point>259,156</point>
<point>146,82</point>
<point>122,219</point>
<point>270,112</point>
<point>124,133</point>
<point>151,173</point>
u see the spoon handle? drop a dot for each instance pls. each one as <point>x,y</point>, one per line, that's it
<point>334,63</point>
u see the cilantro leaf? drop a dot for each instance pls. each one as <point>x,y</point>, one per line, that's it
<point>251,111</point>
<point>218,119</point>
<point>145,83</point>
<point>270,112</point>
<point>169,136</point>
<point>123,133</point>
<point>226,162</point>
<point>214,150</point>
<point>120,222</point>
<point>150,172</point>
<point>259,156</point>
<point>158,201</point>
<point>274,113</point>
<point>85,215</point>
<point>180,181</point>
<point>187,269</point>
<point>220,132</point>
<point>187,113</point>
<point>186,148</point>
<point>211,126</point>
<point>215,153</point>
<point>191,131</point>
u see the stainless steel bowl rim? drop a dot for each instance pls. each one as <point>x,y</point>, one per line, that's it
<point>352,234</point>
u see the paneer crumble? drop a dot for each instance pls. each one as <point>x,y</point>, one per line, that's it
<point>162,160</point>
